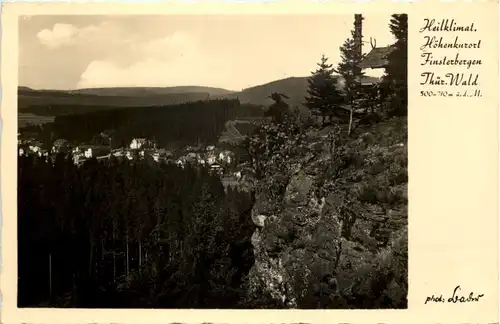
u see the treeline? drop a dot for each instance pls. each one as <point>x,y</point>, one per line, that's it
<point>201,121</point>
<point>119,234</point>
<point>56,103</point>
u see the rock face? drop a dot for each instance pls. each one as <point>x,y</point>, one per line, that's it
<point>327,235</point>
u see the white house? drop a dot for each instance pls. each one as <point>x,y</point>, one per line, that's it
<point>138,143</point>
<point>211,158</point>
<point>181,161</point>
<point>87,152</point>
<point>60,145</point>
<point>43,152</point>
<point>226,157</point>
<point>76,159</point>
<point>193,157</point>
<point>161,155</point>
<point>35,148</point>
<point>216,168</point>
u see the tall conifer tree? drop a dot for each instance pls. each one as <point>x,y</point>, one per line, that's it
<point>396,77</point>
<point>349,69</point>
<point>323,93</point>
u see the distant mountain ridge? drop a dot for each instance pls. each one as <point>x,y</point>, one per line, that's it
<point>144,91</point>
<point>294,87</point>
<point>129,91</point>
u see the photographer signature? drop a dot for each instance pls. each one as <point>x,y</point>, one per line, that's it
<point>455,298</point>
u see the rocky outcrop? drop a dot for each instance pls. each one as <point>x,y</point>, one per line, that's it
<point>326,224</point>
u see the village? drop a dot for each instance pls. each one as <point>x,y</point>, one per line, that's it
<point>221,162</point>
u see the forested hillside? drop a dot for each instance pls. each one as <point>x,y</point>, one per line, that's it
<point>189,123</point>
<point>122,235</point>
<point>59,102</point>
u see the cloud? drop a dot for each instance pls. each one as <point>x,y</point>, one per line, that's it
<point>67,34</point>
<point>172,60</point>
<point>59,35</point>
<point>148,72</point>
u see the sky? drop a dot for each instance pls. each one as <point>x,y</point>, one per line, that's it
<point>226,51</point>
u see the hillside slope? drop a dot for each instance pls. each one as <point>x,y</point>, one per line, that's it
<point>36,100</point>
<point>147,91</point>
<point>331,219</point>
<point>37,103</point>
<point>295,88</point>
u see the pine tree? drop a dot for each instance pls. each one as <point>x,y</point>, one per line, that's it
<point>397,69</point>
<point>324,95</point>
<point>349,69</point>
<point>279,109</point>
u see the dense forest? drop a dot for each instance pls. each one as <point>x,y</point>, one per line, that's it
<point>54,102</point>
<point>116,234</point>
<point>201,121</point>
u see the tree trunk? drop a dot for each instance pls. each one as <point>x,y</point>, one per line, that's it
<point>338,252</point>
<point>102,249</point>
<point>332,146</point>
<point>126,258</point>
<point>74,285</point>
<point>91,256</point>
<point>350,120</point>
<point>114,253</point>
<point>140,253</point>
<point>114,265</point>
<point>50,275</point>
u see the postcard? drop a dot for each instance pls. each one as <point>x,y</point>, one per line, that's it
<point>290,162</point>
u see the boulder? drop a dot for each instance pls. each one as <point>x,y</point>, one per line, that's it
<point>258,220</point>
<point>298,189</point>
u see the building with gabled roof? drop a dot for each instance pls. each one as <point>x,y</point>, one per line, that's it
<point>89,151</point>
<point>60,145</point>
<point>375,61</point>
<point>138,143</point>
<point>377,58</point>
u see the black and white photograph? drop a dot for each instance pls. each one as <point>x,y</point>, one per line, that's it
<point>212,161</point>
